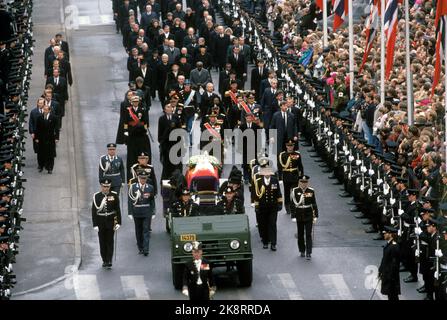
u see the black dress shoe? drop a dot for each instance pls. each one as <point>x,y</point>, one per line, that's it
<point>427,297</point>
<point>50,171</point>
<point>344,194</point>
<point>337,183</point>
<point>104,265</point>
<point>379,237</point>
<point>366,222</point>
<point>421,290</point>
<point>140,251</point>
<point>332,177</point>
<point>410,278</point>
<point>302,255</point>
<point>146,253</point>
<point>308,257</point>
<point>323,165</point>
<point>370,230</point>
<point>109,266</point>
<point>327,171</point>
<point>296,235</point>
<point>40,169</point>
<point>319,160</point>
<point>353,203</point>
<point>273,247</point>
<point>354,209</point>
<point>314,156</point>
<point>265,246</point>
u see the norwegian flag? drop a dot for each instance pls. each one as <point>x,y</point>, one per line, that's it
<point>372,25</point>
<point>390,29</point>
<point>340,12</point>
<point>319,4</point>
<point>441,25</point>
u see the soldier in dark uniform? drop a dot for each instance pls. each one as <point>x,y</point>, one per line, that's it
<point>198,282</point>
<point>141,209</point>
<point>111,167</point>
<point>143,165</point>
<point>432,286</point>
<point>106,217</point>
<point>423,238</point>
<point>389,267</point>
<point>411,212</point>
<point>268,202</point>
<point>234,181</point>
<point>230,204</point>
<point>185,207</point>
<point>292,168</point>
<point>304,207</point>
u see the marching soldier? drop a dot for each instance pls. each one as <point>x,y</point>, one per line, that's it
<point>230,204</point>
<point>185,207</point>
<point>268,202</point>
<point>106,216</point>
<point>198,282</point>
<point>111,167</point>
<point>141,209</point>
<point>389,267</point>
<point>304,206</point>
<point>143,165</point>
<point>292,168</point>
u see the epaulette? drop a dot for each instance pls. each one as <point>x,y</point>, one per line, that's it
<point>114,192</point>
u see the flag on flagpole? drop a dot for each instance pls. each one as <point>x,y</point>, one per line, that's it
<point>390,29</point>
<point>340,12</point>
<point>372,25</point>
<point>319,4</point>
<point>441,24</point>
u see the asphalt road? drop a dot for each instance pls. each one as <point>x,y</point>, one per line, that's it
<point>344,262</point>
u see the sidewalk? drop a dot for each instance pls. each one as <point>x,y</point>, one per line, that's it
<point>50,244</point>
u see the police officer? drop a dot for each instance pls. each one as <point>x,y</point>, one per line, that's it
<point>111,167</point>
<point>230,203</point>
<point>185,207</point>
<point>198,281</point>
<point>141,209</point>
<point>389,267</point>
<point>291,167</point>
<point>268,202</point>
<point>106,217</point>
<point>304,206</point>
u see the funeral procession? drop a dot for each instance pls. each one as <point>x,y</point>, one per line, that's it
<point>237,150</point>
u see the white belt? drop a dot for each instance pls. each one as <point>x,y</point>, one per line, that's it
<point>105,214</point>
<point>406,225</point>
<point>424,243</point>
<point>141,205</point>
<point>304,207</point>
<point>443,266</point>
<point>112,174</point>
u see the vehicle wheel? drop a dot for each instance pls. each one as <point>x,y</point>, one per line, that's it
<point>168,229</point>
<point>245,272</point>
<point>177,275</point>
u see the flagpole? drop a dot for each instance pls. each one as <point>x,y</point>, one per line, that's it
<point>382,52</point>
<point>351,51</point>
<point>445,88</point>
<point>410,105</point>
<point>325,39</point>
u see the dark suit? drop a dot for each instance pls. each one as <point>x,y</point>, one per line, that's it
<point>61,90</point>
<point>224,74</point>
<point>221,45</point>
<point>248,153</point>
<point>283,132</point>
<point>256,79</point>
<point>206,102</point>
<point>198,292</point>
<point>239,66</point>
<point>147,76</point>
<point>163,36</point>
<point>165,126</point>
<point>162,76</point>
<point>47,132</point>
<point>65,48</point>
<point>32,122</point>
<point>48,52</point>
<point>269,106</point>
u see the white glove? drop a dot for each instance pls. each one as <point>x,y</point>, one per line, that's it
<point>358,162</point>
<point>370,172</point>
<point>126,134</point>
<point>392,220</point>
<point>379,181</point>
<point>417,253</point>
<point>351,158</point>
<point>116,227</point>
<point>418,230</point>
<point>363,169</point>
<point>153,216</point>
<point>212,293</point>
<point>362,188</point>
<point>185,292</point>
<point>438,253</point>
<point>392,201</point>
<point>96,229</point>
<point>315,220</point>
<point>252,205</point>
<point>400,212</point>
<point>130,217</point>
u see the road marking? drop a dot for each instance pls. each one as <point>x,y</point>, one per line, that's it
<point>86,287</point>
<point>134,288</point>
<point>336,286</point>
<point>284,286</point>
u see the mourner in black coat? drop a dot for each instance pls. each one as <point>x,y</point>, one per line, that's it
<point>389,267</point>
<point>46,136</point>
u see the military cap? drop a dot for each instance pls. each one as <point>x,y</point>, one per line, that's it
<point>402,180</point>
<point>433,222</point>
<point>111,145</point>
<point>303,178</point>
<point>143,154</point>
<point>143,174</point>
<point>186,192</point>
<point>106,182</point>
<point>413,192</point>
<point>2,226</point>
<point>423,211</point>
<point>389,229</point>
<point>428,199</point>
<point>7,159</point>
<point>229,189</point>
<point>263,160</point>
<point>196,246</point>
<point>5,191</point>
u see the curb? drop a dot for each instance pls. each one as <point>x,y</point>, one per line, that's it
<point>77,261</point>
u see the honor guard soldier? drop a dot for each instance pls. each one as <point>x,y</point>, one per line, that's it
<point>304,206</point>
<point>292,168</point>
<point>141,209</point>
<point>268,202</point>
<point>389,267</point>
<point>423,237</point>
<point>143,165</point>
<point>106,217</point>
<point>185,207</point>
<point>198,281</point>
<point>410,213</point>
<point>111,167</point>
<point>230,204</point>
